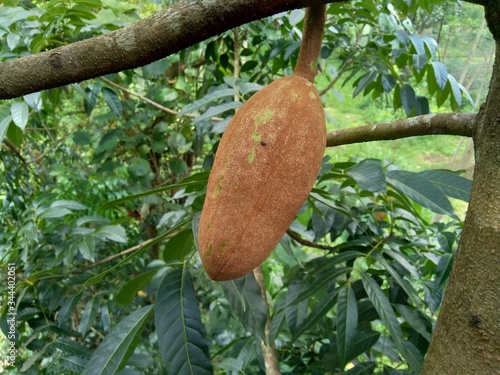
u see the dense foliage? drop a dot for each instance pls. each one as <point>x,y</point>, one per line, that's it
<point>102,184</point>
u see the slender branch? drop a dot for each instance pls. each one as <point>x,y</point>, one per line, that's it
<point>461,124</point>
<point>110,258</point>
<point>153,103</point>
<point>169,31</point>
<point>345,65</point>
<point>305,242</point>
<point>271,361</point>
<point>49,149</point>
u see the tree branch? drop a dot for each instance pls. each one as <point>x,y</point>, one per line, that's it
<point>302,241</point>
<point>162,34</point>
<point>461,124</point>
<point>153,103</point>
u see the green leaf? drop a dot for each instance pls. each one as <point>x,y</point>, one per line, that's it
<point>244,296</point>
<point>128,291</point>
<point>86,247</point>
<point>217,110</point>
<point>181,335</point>
<point>139,167</point>
<point>97,278</point>
<point>179,246</point>
<point>88,316</point>
<point>369,174</point>
<point>207,99</point>
<point>278,318</point>
<point>90,99</point>
<point>415,320</point>
<point>113,101</point>
<point>55,212</point>
<point>319,311</point>
<point>20,113</point>
<point>4,126</point>
<point>450,183</point>
<point>388,317</point>
<point>198,179</point>
<point>347,323</point>
<point>455,90</point>
<point>440,74</point>
<point>114,352</point>
<point>73,363</point>
<point>73,347</point>
<point>71,205</point>
<point>114,233</point>
<point>418,188</point>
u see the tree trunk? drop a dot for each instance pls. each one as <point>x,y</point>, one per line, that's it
<point>467,335</point>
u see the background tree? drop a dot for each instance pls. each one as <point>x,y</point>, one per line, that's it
<point>103,182</point>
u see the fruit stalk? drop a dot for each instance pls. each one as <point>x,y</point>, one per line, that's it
<point>312,38</point>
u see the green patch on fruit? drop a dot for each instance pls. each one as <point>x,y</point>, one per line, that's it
<point>223,247</point>
<point>260,119</point>
<point>312,66</point>
<point>218,188</point>
<point>251,156</point>
<point>311,95</point>
<point>209,251</point>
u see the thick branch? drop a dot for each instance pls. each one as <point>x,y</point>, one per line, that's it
<point>164,33</point>
<point>460,124</point>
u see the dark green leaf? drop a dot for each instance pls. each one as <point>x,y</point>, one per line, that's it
<point>181,335</point>
<point>244,296</point>
<point>128,291</point>
<point>347,323</point>
<point>450,183</point>
<point>369,175</point>
<point>388,317</point>
<point>179,246</point>
<point>113,101</point>
<point>114,352</point>
<point>422,191</point>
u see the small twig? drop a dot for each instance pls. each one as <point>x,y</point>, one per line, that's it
<point>110,258</point>
<point>304,242</point>
<point>153,103</point>
<point>49,149</point>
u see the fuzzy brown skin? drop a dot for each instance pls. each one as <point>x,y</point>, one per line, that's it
<point>265,167</point>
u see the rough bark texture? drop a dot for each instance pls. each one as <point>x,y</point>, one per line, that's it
<point>467,335</point>
<point>461,124</point>
<point>177,27</point>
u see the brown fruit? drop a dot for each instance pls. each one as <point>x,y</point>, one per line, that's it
<point>264,169</point>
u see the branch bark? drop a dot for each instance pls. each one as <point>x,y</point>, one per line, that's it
<point>461,124</point>
<point>162,34</point>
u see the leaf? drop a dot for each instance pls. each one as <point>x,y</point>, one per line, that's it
<point>415,320</point>
<point>369,174</point>
<point>55,212</point>
<point>114,352</point>
<point>181,335</point>
<point>34,100</point>
<point>244,296</point>
<point>388,317</point>
<point>418,188</point>
<point>319,311</point>
<point>139,167</point>
<point>128,291</point>
<point>198,179</point>
<point>90,99</point>
<point>278,318</point>
<point>20,114</point>
<point>73,363</point>
<point>347,323</point>
<point>4,126</point>
<point>97,278</point>
<point>113,101</point>
<point>73,347</point>
<point>86,247</point>
<point>179,246</point>
<point>455,89</point>
<point>440,74</point>
<point>214,111</point>
<point>114,233</point>
<point>207,99</point>
<point>450,183</point>
<point>88,316</point>
<point>71,205</point>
